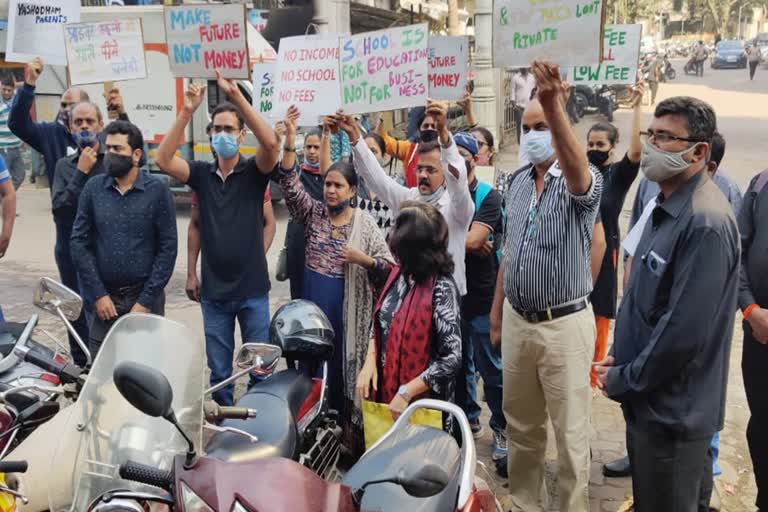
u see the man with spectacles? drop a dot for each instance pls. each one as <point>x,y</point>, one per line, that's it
<point>230,191</point>
<point>668,366</point>
<point>54,141</point>
<point>541,313</point>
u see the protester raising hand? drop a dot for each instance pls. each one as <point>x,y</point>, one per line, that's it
<point>227,86</point>
<point>194,97</point>
<point>549,85</point>
<point>348,124</point>
<point>33,71</point>
<point>289,148</point>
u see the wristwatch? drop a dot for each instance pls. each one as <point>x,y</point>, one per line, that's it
<point>403,392</point>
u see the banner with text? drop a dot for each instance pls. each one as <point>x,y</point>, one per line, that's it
<point>448,67</point>
<point>307,76</point>
<point>566,32</point>
<point>264,88</point>
<point>621,53</point>
<point>203,38</point>
<point>384,70</point>
<point>35,29</point>
<point>105,51</point>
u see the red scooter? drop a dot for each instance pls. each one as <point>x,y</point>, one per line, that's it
<point>411,467</point>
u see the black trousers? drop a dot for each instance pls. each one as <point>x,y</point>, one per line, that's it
<point>124,299</point>
<point>669,474</point>
<point>752,68</point>
<point>754,368</point>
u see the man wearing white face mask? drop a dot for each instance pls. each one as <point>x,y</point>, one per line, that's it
<point>669,363</point>
<point>541,312</point>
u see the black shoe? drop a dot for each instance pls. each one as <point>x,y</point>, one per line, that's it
<point>501,467</point>
<point>617,469</point>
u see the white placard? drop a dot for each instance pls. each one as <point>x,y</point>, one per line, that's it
<point>621,53</point>
<point>35,29</point>
<point>448,67</point>
<point>566,32</point>
<point>384,70</point>
<point>204,37</point>
<point>264,88</point>
<point>105,51</point>
<point>307,76</point>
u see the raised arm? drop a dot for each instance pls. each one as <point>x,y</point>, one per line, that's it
<point>635,144</point>
<point>454,166</point>
<point>389,191</point>
<point>570,153</point>
<point>269,147</point>
<point>325,146</point>
<point>166,158</point>
<point>297,199</point>
<point>19,118</point>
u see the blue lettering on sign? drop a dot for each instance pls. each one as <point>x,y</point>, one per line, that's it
<point>182,18</point>
<point>266,79</point>
<point>186,53</point>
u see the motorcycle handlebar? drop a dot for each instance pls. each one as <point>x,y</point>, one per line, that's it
<point>67,373</point>
<point>214,412</point>
<point>13,466</point>
<point>145,474</point>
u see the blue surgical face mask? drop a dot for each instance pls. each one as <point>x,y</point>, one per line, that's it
<point>225,145</point>
<point>85,139</point>
<point>537,144</point>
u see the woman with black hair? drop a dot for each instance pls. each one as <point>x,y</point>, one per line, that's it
<point>346,258</point>
<point>417,333</point>
<point>618,176</point>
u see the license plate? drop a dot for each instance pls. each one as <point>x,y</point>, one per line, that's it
<point>731,59</point>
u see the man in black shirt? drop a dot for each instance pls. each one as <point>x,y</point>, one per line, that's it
<point>753,301</point>
<point>482,265</point>
<point>669,362</point>
<point>124,239</point>
<point>230,192</point>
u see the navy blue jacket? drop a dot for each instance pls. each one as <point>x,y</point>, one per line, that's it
<point>50,139</point>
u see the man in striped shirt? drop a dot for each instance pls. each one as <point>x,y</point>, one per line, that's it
<point>8,209</point>
<point>10,145</point>
<point>548,328</point>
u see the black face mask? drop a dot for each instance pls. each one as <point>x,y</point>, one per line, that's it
<point>428,135</point>
<point>118,165</point>
<point>596,157</point>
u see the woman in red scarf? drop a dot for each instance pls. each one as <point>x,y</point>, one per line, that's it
<point>417,336</point>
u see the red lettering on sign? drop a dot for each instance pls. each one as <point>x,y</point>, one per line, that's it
<point>219,32</point>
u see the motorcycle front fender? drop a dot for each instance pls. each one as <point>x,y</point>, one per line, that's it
<point>38,449</point>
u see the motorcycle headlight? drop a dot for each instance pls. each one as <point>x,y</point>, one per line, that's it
<point>193,502</point>
<point>239,508</point>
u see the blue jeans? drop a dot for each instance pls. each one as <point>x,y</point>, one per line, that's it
<point>2,318</point>
<point>715,447</point>
<point>476,335</point>
<point>219,320</point>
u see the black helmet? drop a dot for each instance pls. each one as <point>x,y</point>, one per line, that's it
<point>302,330</point>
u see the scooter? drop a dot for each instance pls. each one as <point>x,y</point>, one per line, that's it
<point>411,467</point>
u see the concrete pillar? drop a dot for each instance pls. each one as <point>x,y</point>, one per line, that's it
<point>332,16</point>
<point>484,96</point>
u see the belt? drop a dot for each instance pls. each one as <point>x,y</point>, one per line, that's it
<point>535,317</point>
<point>131,289</point>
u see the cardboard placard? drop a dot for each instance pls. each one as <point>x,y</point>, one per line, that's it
<point>566,32</point>
<point>621,54</point>
<point>448,67</point>
<point>264,88</point>
<point>307,76</point>
<point>204,37</point>
<point>384,70</point>
<point>105,51</point>
<point>35,29</point>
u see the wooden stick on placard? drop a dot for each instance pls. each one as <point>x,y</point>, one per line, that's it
<point>111,113</point>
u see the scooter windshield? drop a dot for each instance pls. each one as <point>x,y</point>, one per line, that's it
<point>104,430</point>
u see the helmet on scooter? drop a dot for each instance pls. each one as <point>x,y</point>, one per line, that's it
<point>302,331</point>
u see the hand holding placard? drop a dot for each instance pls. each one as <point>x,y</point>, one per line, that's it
<point>228,87</point>
<point>33,71</point>
<point>194,97</point>
<point>549,85</point>
<point>347,123</point>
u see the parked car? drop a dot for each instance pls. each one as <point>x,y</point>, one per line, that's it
<point>729,54</point>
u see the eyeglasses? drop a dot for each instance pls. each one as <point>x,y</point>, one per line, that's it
<point>663,137</point>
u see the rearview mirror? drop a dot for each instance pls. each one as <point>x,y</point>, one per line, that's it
<point>52,296</point>
<point>260,357</point>
<point>145,388</point>
<point>422,480</point>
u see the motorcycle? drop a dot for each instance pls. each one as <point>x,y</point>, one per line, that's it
<point>8,492</point>
<point>411,467</point>
<point>667,71</point>
<point>299,425</point>
<point>606,102</point>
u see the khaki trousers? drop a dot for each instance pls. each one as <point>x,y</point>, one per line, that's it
<point>546,370</point>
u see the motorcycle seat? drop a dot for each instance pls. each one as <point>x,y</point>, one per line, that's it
<point>277,400</point>
<point>427,444</point>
